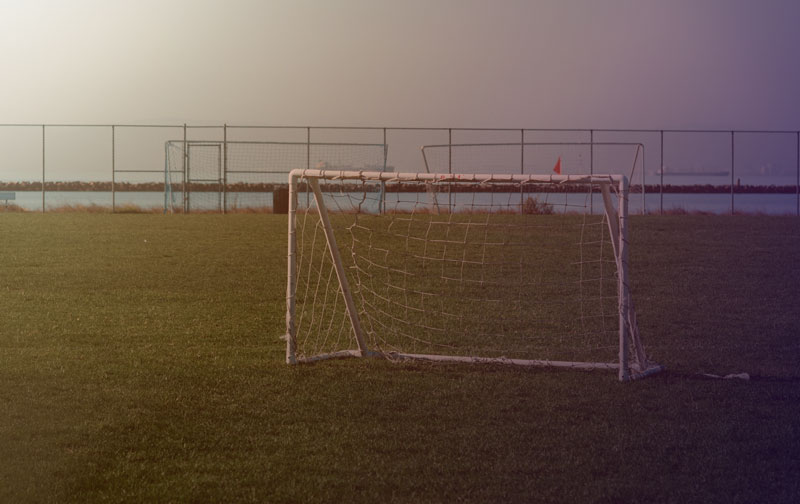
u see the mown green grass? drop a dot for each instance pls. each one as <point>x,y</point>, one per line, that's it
<point>140,362</point>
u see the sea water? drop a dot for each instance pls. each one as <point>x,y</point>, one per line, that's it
<point>722,203</point>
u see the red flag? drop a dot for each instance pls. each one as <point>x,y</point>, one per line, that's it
<point>557,167</point>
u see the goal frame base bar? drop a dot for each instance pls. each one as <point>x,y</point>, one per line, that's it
<point>635,373</point>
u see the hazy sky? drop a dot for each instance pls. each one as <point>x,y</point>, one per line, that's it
<point>730,64</point>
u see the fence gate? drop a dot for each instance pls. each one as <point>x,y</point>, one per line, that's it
<point>204,177</point>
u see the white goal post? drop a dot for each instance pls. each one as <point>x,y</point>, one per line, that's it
<point>461,268</point>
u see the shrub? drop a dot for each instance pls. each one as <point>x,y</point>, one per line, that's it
<point>535,207</point>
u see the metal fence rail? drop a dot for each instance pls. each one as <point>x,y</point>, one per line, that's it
<point>727,168</point>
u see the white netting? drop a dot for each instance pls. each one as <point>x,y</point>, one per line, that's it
<point>459,268</point>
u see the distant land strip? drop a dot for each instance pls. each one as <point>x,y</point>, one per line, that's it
<point>78,186</point>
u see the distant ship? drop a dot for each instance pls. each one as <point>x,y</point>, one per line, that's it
<point>695,174</point>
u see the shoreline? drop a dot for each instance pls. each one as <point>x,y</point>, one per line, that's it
<point>268,188</point>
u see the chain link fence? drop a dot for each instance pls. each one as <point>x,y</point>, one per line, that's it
<point>48,167</point>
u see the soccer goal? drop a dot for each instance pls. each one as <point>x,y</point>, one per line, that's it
<point>448,267</point>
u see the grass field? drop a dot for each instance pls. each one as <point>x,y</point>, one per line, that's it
<point>140,361</point>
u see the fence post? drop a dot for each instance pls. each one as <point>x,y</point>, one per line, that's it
<point>224,167</point>
<point>591,169</point>
<point>308,148</point>
<point>733,168</point>
<point>661,180</point>
<point>308,164</point>
<point>521,168</point>
<point>382,205</point>
<point>644,171</point>
<point>449,150</point>
<point>449,168</point>
<point>43,165</point>
<point>113,169</point>
<point>185,177</point>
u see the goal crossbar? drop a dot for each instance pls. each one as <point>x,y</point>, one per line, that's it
<point>454,177</point>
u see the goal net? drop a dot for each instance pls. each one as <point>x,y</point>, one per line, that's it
<point>230,176</point>
<point>461,267</point>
